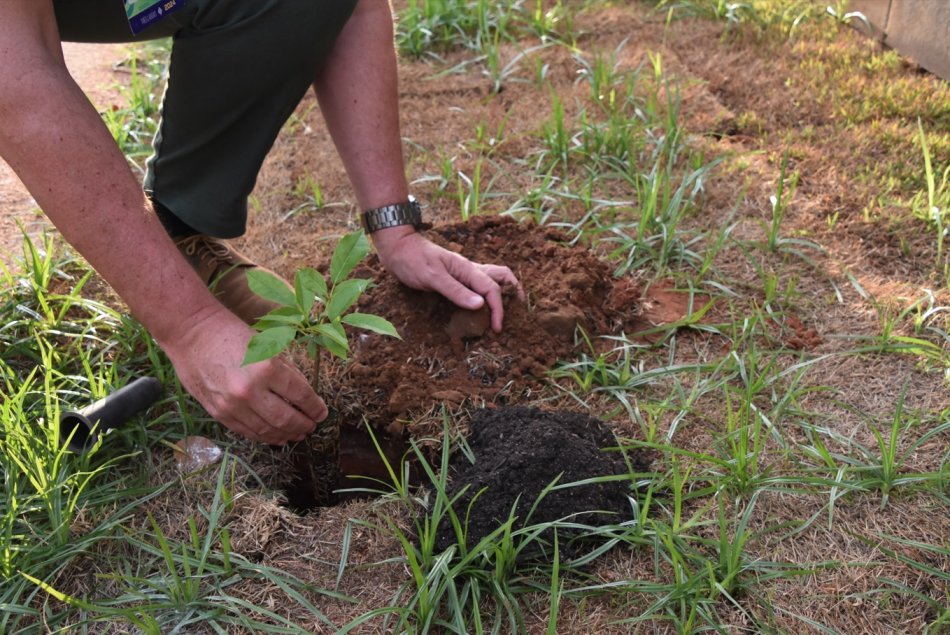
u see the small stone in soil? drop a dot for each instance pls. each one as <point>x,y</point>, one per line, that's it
<point>467,325</point>
<point>451,397</point>
<point>562,321</point>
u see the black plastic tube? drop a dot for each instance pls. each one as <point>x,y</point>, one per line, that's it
<point>83,427</point>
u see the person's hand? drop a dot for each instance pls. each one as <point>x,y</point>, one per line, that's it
<point>269,401</point>
<point>421,264</point>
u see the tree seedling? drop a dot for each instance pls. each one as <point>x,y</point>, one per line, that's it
<point>314,315</point>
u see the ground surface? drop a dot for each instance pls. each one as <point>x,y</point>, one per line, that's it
<point>746,100</point>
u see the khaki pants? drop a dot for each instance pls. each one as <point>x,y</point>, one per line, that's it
<point>238,70</point>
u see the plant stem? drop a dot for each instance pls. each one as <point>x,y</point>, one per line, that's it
<point>315,380</point>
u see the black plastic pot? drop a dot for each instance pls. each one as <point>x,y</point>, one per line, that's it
<point>82,428</point>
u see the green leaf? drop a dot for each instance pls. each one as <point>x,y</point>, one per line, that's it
<point>285,315</point>
<point>270,287</point>
<point>334,347</point>
<point>267,344</point>
<point>351,249</point>
<point>334,332</point>
<point>344,296</point>
<point>309,285</point>
<point>372,323</point>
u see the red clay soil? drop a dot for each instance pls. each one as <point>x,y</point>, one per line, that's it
<point>449,355</point>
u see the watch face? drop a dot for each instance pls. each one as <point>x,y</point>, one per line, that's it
<point>416,212</point>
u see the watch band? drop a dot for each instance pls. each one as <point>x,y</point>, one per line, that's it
<point>408,213</point>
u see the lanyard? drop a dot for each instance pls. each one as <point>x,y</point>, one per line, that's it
<point>144,13</point>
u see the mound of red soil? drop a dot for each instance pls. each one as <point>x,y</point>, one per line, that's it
<point>521,451</point>
<point>447,354</point>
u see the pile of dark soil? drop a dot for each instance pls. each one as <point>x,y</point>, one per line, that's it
<point>518,453</point>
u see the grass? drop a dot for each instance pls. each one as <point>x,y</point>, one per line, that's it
<point>933,206</point>
<point>49,356</point>
<point>446,591</point>
<point>783,20</point>
<point>779,472</point>
<point>429,28</point>
<point>134,123</point>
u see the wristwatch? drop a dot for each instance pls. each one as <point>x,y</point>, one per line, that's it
<point>408,213</point>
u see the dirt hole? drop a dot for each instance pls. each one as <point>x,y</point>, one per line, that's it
<point>356,466</point>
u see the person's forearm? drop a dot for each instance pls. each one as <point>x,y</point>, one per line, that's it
<point>56,142</point>
<point>58,145</point>
<point>358,94</point>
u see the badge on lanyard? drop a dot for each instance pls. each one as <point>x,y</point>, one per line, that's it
<point>144,13</point>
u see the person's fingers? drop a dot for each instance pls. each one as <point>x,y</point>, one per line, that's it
<point>453,283</point>
<point>504,276</point>
<point>491,291</point>
<point>475,278</point>
<point>292,386</point>
<point>290,423</point>
<point>458,293</point>
<point>268,401</point>
<point>251,406</point>
<point>281,394</point>
<point>467,284</point>
<point>249,424</point>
